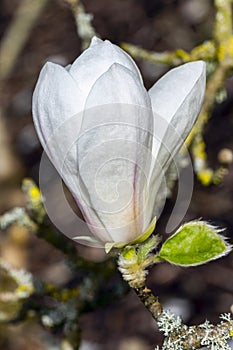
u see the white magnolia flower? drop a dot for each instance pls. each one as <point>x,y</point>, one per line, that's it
<point>110,139</point>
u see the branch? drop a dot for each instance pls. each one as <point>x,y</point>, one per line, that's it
<point>173,58</point>
<point>223,20</point>
<point>18,33</point>
<point>83,20</point>
<point>133,263</point>
<point>180,336</point>
<point>12,43</point>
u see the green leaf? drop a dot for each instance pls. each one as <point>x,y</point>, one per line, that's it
<point>195,243</point>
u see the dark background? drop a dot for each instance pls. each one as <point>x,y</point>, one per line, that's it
<point>197,293</point>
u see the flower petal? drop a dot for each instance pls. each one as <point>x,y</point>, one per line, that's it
<point>56,103</point>
<point>57,112</point>
<point>56,99</point>
<point>118,85</point>
<point>113,151</point>
<point>96,60</point>
<point>176,100</point>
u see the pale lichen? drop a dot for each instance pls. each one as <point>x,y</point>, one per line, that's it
<point>180,337</point>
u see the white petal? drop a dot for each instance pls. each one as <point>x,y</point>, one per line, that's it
<point>176,100</point>
<point>113,152</point>
<point>56,103</point>
<point>118,85</point>
<point>178,95</point>
<point>95,41</point>
<point>57,114</point>
<point>96,60</point>
<point>56,99</point>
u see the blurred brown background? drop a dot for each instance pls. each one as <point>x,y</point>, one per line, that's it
<point>196,293</point>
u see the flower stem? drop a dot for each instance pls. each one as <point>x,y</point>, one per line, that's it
<point>150,301</point>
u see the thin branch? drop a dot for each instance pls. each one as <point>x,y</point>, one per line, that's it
<point>172,58</point>
<point>83,20</point>
<point>18,33</point>
<point>150,301</point>
<point>180,336</point>
<point>223,20</point>
<point>12,43</point>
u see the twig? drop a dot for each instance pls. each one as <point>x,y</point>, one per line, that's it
<point>172,58</point>
<point>83,20</point>
<point>133,263</point>
<point>9,164</point>
<point>12,43</point>
<point>150,301</point>
<point>223,20</point>
<point>180,336</point>
<point>18,33</point>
